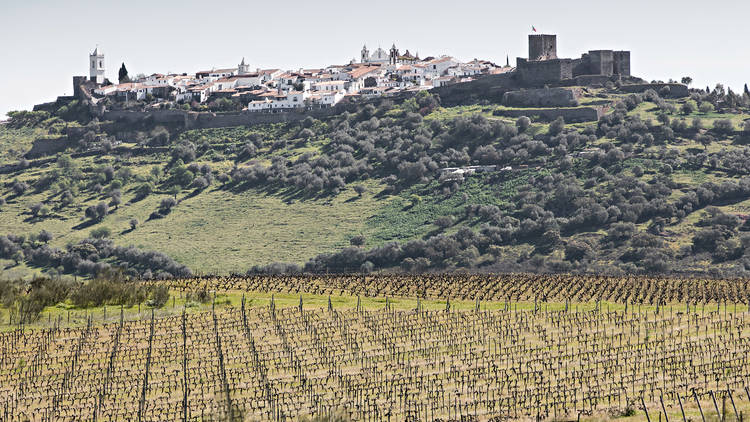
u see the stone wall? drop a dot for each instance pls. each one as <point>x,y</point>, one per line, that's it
<point>675,90</point>
<point>203,120</point>
<point>48,146</point>
<point>601,62</point>
<point>545,97</point>
<point>542,47</point>
<point>621,62</point>
<point>571,115</point>
<point>544,71</point>
<point>594,80</point>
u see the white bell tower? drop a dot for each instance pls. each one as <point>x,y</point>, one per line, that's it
<point>365,54</point>
<point>243,69</point>
<point>96,66</point>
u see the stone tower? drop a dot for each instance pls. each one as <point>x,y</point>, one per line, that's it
<point>394,54</point>
<point>365,54</point>
<point>242,68</point>
<point>96,66</point>
<point>542,47</point>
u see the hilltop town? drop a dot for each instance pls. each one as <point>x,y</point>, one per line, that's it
<point>376,74</point>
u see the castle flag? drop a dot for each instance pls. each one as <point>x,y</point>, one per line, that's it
<point>533,28</point>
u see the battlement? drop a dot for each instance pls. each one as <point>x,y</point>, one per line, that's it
<point>543,66</point>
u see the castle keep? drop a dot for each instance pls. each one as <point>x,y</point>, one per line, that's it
<point>543,65</point>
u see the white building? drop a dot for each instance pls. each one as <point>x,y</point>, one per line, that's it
<point>439,66</point>
<point>96,66</point>
<point>325,99</point>
<point>215,74</point>
<point>278,101</point>
<point>331,86</point>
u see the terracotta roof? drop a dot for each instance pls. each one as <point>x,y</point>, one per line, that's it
<point>441,60</point>
<point>359,72</point>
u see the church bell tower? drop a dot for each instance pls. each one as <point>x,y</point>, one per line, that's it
<point>96,66</point>
<point>394,54</point>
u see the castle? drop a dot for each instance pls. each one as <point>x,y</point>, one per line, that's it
<point>543,65</point>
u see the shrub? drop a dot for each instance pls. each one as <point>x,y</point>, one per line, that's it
<point>34,209</point>
<point>444,222</point>
<point>688,108</point>
<point>359,189</point>
<point>557,126</point>
<point>143,190</point>
<point>723,126</point>
<point>45,236</point>
<point>706,107</point>
<point>358,240</point>
<point>158,296</point>
<point>166,204</point>
<point>523,123</point>
<point>19,188</point>
<point>101,233</point>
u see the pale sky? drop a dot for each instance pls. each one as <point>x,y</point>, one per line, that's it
<point>43,43</point>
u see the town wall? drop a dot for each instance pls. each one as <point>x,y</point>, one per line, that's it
<point>571,115</point>
<point>675,90</point>
<point>594,80</point>
<point>545,97</point>
<point>204,120</point>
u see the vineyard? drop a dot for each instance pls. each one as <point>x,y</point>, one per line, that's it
<point>493,287</point>
<point>521,347</point>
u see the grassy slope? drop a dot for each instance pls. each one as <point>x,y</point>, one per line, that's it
<point>219,231</point>
<point>215,231</point>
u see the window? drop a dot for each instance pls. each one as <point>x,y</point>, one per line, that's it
<point>100,64</point>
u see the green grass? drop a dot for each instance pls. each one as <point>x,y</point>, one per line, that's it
<point>70,315</point>
<point>401,220</point>
<point>16,142</point>
<point>219,232</point>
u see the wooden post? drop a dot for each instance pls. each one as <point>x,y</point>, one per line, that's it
<point>703,417</point>
<point>661,399</point>
<point>679,400</point>
<point>736,415</point>
<point>716,406</point>
<point>643,402</point>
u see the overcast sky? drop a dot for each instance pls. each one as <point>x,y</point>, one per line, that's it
<point>44,43</point>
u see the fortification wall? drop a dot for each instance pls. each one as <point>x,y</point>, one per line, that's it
<point>601,62</point>
<point>195,120</point>
<point>594,80</point>
<point>48,146</point>
<point>545,97</point>
<point>675,90</point>
<point>571,115</point>
<point>621,62</point>
<point>544,71</point>
<point>490,87</point>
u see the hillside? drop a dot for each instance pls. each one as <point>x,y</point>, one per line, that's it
<point>657,185</point>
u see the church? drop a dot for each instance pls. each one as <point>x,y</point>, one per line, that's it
<point>377,56</point>
<point>393,57</point>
